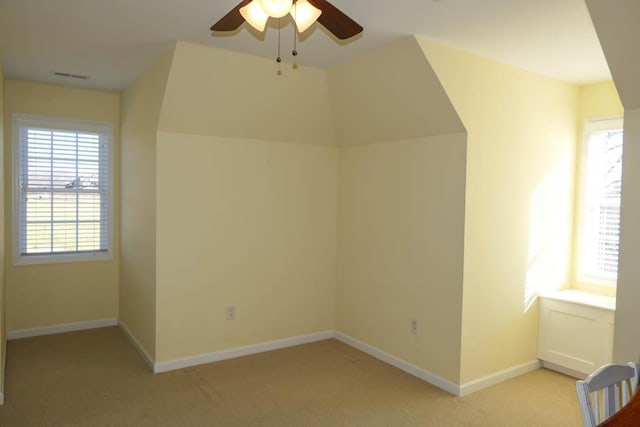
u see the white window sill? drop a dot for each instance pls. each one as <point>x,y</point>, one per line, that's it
<point>583,298</point>
<point>62,258</point>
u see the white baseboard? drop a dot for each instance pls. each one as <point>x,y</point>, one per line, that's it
<point>170,365</point>
<point>563,370</point>
<point>57,329</point>
<point>231,353</point>
<point>403,365</point>
<point>134,341</point>
<point>498,377</point>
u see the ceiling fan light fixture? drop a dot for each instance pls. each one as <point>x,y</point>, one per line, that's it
<point>255,15</point>
<point>276,8</point>
<point>304,14</point>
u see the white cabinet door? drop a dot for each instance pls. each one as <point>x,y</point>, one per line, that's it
<point>575,336</point>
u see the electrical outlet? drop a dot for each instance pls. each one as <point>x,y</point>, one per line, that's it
<point>414,326</point>
<point>231,312</point>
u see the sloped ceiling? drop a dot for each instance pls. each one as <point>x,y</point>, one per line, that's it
<point>114,41</point>
<point>389,95</point>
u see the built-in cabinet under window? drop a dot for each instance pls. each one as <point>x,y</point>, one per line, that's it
<point>575,333</point>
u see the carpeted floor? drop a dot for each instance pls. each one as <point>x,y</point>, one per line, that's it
<point>95,378</point>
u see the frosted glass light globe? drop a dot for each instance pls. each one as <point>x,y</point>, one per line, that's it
<point>276,8</point>
<point>254,15</point>
<point>304,14</point>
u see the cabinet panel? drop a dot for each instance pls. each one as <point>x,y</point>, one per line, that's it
<point>575,336</point>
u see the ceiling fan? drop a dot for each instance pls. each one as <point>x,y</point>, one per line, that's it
<point>304,13</point>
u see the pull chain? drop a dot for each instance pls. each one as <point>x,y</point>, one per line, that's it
<point>279,59</point>
<point>295,38</point>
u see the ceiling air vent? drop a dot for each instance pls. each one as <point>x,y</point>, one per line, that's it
<point>70,76</point>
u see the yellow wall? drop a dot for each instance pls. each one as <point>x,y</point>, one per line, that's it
<point>218,92</point>
<point>627,334</point>
<point>519,192</point>
<point>141,106</point>
<point>597,101</point>
<point>387,95</point>
<point>51,294</point>
<point>615,22</point>
<point>241,221</point>
<point>400,248</point>
<point>3,327</point>
<point>401,207</point>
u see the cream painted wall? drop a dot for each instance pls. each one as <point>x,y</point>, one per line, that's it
<point>400,248</point>
<point>242,223</point>
<point>627,334</point>
<point>141,106</point>
<point>387,95</point>
<point>3,310</point>
<point>597,101</point>
<point>224,93</point>
<point>44,295</point>
<point>401,207</point>
<point>616,24</point>
<point>519,192</point>
<point>246,203</point>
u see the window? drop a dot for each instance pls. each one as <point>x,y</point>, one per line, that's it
<point>600,203</point>
<point>62,197</point>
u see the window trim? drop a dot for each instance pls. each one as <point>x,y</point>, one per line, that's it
<point>59,123</point>
<point>590,126</point>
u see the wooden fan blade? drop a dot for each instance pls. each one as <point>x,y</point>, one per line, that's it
<point>334,20</point>
<point>232,20</point>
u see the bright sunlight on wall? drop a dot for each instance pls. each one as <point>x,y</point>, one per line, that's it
<point>546,258</point>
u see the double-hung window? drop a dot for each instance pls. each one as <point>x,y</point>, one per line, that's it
<point>600,203</point>
<point>62,192</point>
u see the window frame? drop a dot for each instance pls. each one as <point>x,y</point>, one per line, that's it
<point>20,121</point>
<point>589,127</point>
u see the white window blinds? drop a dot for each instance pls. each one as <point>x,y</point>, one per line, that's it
<point>601,191</point>
<point>64,205</point>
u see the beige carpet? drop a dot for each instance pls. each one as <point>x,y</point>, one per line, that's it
<point>95,378</point>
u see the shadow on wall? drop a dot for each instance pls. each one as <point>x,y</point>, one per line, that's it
<point>549,233</point>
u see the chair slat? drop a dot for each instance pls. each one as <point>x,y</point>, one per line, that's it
<point>625,393</point>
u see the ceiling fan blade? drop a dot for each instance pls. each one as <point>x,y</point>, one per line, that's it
<point>232,20</point>
<point>335,21</point>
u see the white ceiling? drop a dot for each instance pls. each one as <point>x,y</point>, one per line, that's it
<point>114,41</point>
